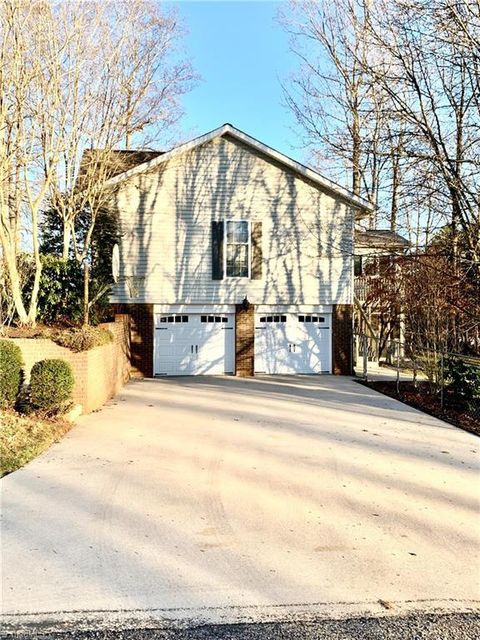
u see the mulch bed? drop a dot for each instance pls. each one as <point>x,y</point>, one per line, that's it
<point>38,331</point>
<point>421,398</point>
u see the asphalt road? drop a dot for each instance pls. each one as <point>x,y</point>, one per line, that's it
<point>414,627</point>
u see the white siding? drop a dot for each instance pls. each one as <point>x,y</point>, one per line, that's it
<point>165,222</point>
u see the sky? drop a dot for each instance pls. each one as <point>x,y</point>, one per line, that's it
<point>242,54</point>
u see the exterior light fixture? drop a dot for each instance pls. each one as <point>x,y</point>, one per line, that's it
<point>245,304</point>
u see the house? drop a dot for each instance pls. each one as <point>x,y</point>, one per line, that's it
<point>373,244</point>
<point>235,259</point>
<point>377,314</point>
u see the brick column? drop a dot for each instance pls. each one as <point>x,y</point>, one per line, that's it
<point>342,339</point>
<point>244,341</point>
<point>141,337</point>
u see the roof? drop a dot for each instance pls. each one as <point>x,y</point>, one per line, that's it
<point>119,160</point>
<point>381,238</point>
<point>227,129</point>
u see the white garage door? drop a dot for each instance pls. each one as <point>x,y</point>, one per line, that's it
<point>193,344</point>
<point>292,343</point>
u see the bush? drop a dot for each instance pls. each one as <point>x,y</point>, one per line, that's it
<point>51,384</point>
<point>463,378</point>
<point>60,294</point>
<point>11,364</point>
<point>82,338</point>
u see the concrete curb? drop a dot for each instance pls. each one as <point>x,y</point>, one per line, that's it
<point>181,618</point>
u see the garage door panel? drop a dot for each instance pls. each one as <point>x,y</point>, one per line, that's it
<point>172,358</point>
<point>271,344</point>
<point>296,343</point>
<point>194,344</point>
<point>313,342</point>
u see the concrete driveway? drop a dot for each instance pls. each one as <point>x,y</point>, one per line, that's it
<point>222,499</point>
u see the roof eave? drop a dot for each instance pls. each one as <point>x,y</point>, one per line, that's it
<point>362,206</point>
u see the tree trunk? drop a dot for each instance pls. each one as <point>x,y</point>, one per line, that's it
<point>15,284</point>
<point>395,185</point>
<point>86,286</point>
<point>356,154</point>
<point>32,311</point>
<point>67,238</point>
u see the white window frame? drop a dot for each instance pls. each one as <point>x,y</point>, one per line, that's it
<point>249,249</point>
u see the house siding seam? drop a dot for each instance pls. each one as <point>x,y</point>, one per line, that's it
<point>244,341</point>
<point>342,339</point>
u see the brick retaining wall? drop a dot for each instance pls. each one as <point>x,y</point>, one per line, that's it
<point>99,373</point>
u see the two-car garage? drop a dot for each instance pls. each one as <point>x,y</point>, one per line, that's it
<point>200,340</point>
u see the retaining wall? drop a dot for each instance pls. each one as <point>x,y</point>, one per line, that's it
<point>99,373</point>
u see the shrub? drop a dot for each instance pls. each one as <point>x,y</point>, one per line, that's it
<point>61,290</point>
<point>463,378</point>
<point>82,338</point>
<point>11,364</point>
<point>51,384</point>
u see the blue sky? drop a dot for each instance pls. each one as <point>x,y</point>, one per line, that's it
<point>241,54</point>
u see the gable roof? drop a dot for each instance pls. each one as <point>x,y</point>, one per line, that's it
<point>116,161</point>
<point>381,238</point>
<point>227,129</point>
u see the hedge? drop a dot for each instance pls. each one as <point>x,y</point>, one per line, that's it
<point>51,384</point>
<point>82,338</point>
<point>463,377</point>
<point>11,363</point>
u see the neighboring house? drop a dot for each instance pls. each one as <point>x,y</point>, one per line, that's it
<point>377,314</point>
<point>235,259</point>
<point>372,244</point>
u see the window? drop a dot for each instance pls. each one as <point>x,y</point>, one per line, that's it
<point>213,319</point>
<point>273,319</point>
<point>357,265</point>
<point>311,319</point>
<point>237,245</point>
<point>174,318</point>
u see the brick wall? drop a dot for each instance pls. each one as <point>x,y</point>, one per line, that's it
<point>99,373</point>
<point>244,340</point>
<point>342,339</point>
<point>141,337</point>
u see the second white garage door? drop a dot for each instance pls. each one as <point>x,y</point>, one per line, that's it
<point>193,344</point>
<point>292,343</point>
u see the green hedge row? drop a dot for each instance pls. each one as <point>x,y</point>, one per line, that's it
<point>11,365</point>
<point>51,381</point>
<point>51,384</point>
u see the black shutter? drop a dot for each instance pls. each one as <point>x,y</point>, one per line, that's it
<point>217,249</point>
<point>257,257</point>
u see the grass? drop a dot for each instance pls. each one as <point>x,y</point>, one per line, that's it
<point>23,438</point>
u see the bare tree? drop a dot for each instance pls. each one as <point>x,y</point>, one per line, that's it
<point>77,76</point>
<point>29,90</point>
<point>340,109</point>
<point>429,71</point>
<point>329,94</point>
<point>391,91</point>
